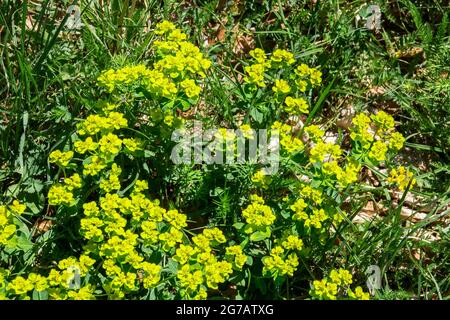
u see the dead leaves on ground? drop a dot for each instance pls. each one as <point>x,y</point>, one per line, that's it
<point>412,208</point>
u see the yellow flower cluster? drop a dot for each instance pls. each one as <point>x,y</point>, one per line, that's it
<point>247,131</point>
<point>315,195</point>
<point>282,56</point>
<point>7,226</point>
<point>62,282</point>
<point>110,144</point>
<point>62,193</point>
<point>338,281</point>
<point>127,75</point>
<point>261,179</point>
<point>376,134</point>
<point>402,177</point>
<point>185,59</point>
<point>94,124</point>
<point>102,144</point>
<point>191,281</point>
<point>345,176</point>
<point>396,141</point>
<point>314,132</point>
<point>299,207</point>
<point>283,259</point>
<point>190,88</point>
<point>94,165</point>
<point>20,285</point>
<point>303,71</point>
<point>255,74</point>
<point>225,135</point>
<point>113,182</point>
<point>199,269</point>
<point>303,76</point>
<point>292,243</point>
<point>62,159</point>
<point>328,155</point>
<point>299,210</point>
<point>281,87</point>
<point>132,144</point>
<point>358,294</point>
<point>360,130</point>
<point>179,56</point>
<point>378,151</point>
<point>288,141</point>
<point>236,256</point>
<point>154,81</point>
<point>316,219</point>
<point>84,146</point>
<point>257,215</point>
<point>322,151</point>
<point>178,63</point>
<point>295,105</point>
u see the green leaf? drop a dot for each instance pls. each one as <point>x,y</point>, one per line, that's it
<point>248,229</point>
<point>238,225</point>
<point>285,214</point>
<point>149,154</point>
<point>185,105</point>
<point>172,266</point>
<point>24,243</point>
<point>40,295</point>
<point>256,115</point>
<point>259,236</point>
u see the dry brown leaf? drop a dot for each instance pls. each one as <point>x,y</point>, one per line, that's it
<point>410,214</point>
<point>376,91</point>
<point>368,213</point>
<point>412,201</point>
<point>345,117</point>
<point>29,23</point>
<point>42,225</point>
<point>425,235</point>
<point>220,34</point>
<point>216,32</point>
<point>243,42</point>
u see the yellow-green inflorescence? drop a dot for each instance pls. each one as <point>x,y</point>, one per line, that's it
<point>133,244</point>
<point>115,227</point>
<point>290,92</point>
<point>177,69</point>
<point>337,285</point>
<point>401,177</point>
<point>376,135</point>
<point>7,225</point>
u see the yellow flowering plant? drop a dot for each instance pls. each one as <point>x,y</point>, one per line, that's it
<point>136,225</point>
<point>337,286</point>
<point>288,81</point>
